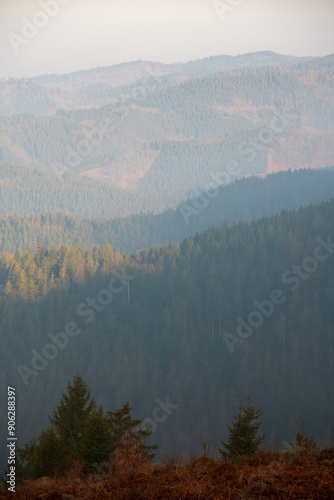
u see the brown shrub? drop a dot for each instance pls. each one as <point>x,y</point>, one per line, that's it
<point>270,476</point>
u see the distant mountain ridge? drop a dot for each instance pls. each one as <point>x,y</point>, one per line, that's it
<point>245,200</point>
<point>71,90</point>
<point>149,144</point>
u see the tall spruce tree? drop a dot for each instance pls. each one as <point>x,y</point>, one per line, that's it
<point>243,437</point>
<point>71,415</point>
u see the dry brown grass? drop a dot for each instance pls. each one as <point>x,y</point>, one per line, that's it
<point>268,476</point>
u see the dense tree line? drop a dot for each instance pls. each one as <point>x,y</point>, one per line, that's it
<point>245,200</point>
<point>192,326</point>
<point>25,190</point>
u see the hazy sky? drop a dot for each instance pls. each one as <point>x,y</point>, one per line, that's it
<point>81,34</point>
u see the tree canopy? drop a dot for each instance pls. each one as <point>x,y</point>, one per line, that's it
<point>81,433</point>
<point>244,438</point>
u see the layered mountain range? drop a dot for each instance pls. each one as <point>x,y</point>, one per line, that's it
<point>147,131</point>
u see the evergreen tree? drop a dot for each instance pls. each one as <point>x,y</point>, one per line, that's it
<point>107,259</point>
<point>126,432</point>
<point>26,457</point>
<point>77,429</point>
<point>72,414</point>
<point>303,441</point>
<point>96,442</point>
<point>50,455</point>
<point>243,437</point>
<point>81,431</point>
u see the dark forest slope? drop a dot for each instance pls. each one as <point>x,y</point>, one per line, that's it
<point>244,200</point>
<point>169,328</point>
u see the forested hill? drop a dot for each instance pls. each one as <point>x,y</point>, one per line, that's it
<point>25,190</point>
<point>244,200</point>
<point>155,144</point>
<point>199,324</point>
<point>47,93</point>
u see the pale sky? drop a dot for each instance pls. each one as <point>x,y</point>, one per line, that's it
<point>82,34</point>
